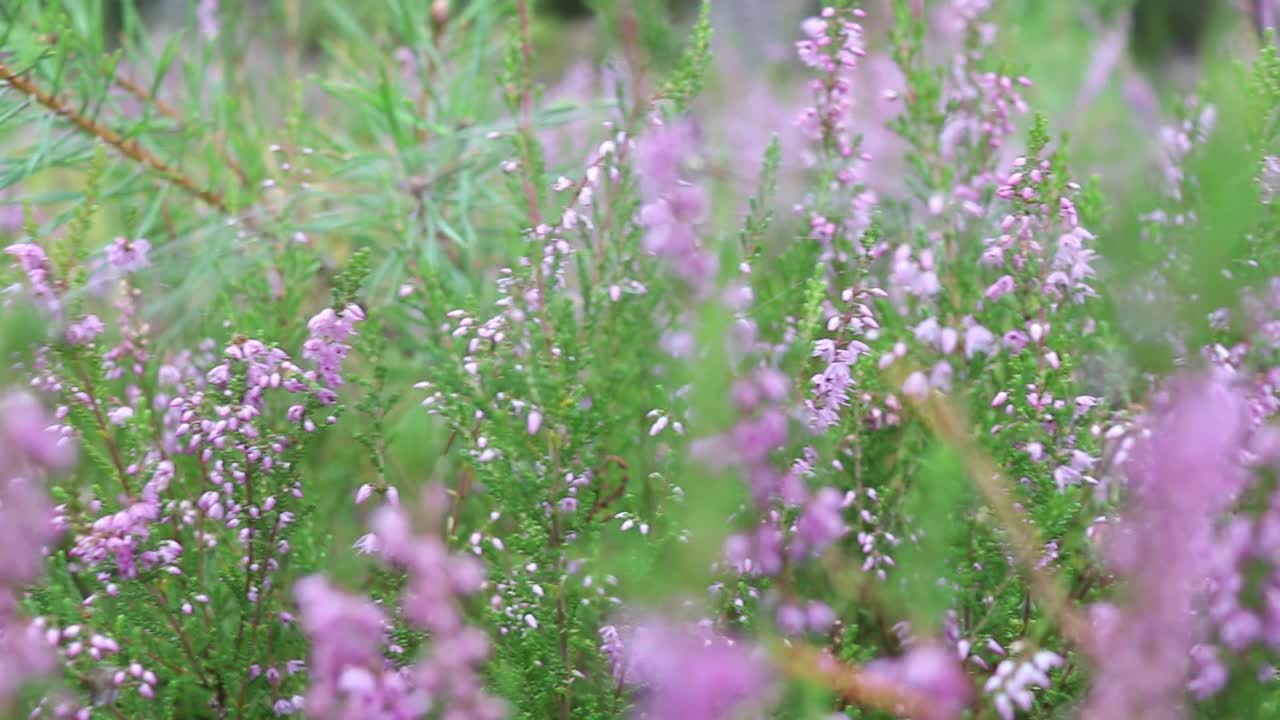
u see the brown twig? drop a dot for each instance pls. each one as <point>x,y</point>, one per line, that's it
<point>129,148</point>
<point>602,503</point>
<point>143,95</point>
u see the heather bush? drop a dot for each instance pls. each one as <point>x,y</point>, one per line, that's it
<point>355,369</point>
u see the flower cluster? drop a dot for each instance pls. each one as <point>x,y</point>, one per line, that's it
<point>27,450</point>
<point>350,676</point>
<point>688,671</point>
<point>674,206</point>
<point>900,449</point>
<point>1181,477</point>
<point>328,347</point>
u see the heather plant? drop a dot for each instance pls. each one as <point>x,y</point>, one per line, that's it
<point>351,374</point>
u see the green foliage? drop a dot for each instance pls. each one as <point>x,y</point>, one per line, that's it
<point>760,215</point>
<point>938,502</point>
<point>397,158</point>
<point>686,79</point>
<point>347,283</point>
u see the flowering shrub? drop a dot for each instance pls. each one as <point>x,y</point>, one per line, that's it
<point>330,396</point>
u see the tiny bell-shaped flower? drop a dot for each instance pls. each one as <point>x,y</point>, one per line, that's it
<point>363,493</point>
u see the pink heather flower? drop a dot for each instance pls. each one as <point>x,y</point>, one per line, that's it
<point>25,434</point>
<point>39,271</point>
<point>820,616</point>
<point>1211,675</point>
<point>932,674</point>
<point>790,618</point>
<point>24,654</point>
<point>349,629</point>
<point>437,577</point>
<point>611,647</point>
<point>814,27</point>
<point>207,19</point>
<point>660,155</point>
<point>916,385</point>
<point>1000,288</point>
<point>948,340</point>
<point>755,437</point>
<point>673,207</point>
<point>1015,341</point>
<point>533,422</point>
<point>688,673</point>
<point>363,493</point>
<point>26,529</point>
<point>327,346</point>
<point>12,217</point>
<point>85,330</point>
<point>437,582</point>
<point>1180,479</point>
<point>821,523</point>
<point>940,376</point>
<point>755,553</point>
<point>1012,684</point>
<point>346,634</point>
<point>928,332</point>
<point>129,256</point>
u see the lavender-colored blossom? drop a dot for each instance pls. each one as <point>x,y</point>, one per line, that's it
<point>438,580</point>
<point>1013,683</point>
<point>756,552</point>
<point>207,19</point>
<point>12,217</point>
<point>85,330</point>
<point>346,634</point>
<point>931,676</point>
<point>27,527</point>
<point>1180,478</point>
<point>26,434</point>
<point>129,256</point>
<point>328,345</point>
<point>821,523</point>
<point>437,577</point>
<point>661,155</point>
<point>673,207</point>
<point>916,385</point>
<point>688,673</point>
<point>41,279</point>
<point>978,339</point>
<point>24,655</point>
<point>1000,288</point>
